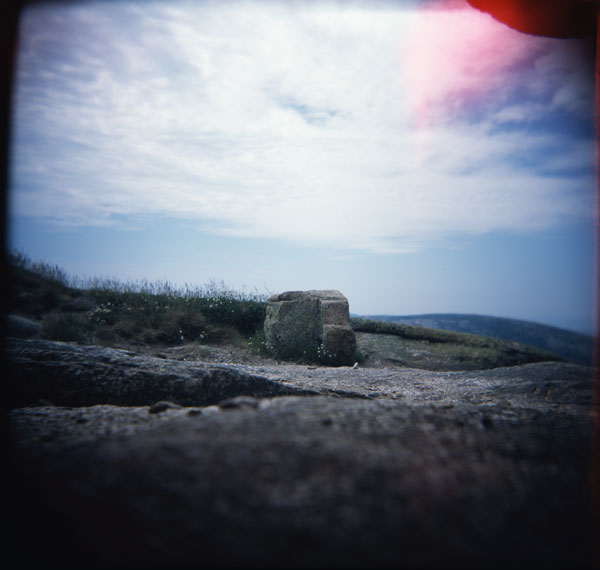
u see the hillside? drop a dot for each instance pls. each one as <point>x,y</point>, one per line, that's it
<point>219,325</point>
<point>160,435</point>
<point>384,344</point>
<point>572,346</point>
<point>107,312</point>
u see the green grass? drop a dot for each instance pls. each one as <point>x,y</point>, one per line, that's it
<point>435,349</point>
<point>419,333</point>
<point>109,312</point>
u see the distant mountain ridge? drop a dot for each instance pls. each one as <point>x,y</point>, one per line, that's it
<point>573,346</point>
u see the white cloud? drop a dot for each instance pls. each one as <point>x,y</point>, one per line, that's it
<point>329,124</point>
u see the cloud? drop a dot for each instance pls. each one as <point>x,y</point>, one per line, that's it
<point>330,124</point>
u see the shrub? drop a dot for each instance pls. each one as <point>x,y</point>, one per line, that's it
<point>257,343</point>
<point>109,311</point>
<point>178,326</point>
<point>66,327</point>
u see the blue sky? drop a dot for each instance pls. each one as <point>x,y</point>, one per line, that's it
<point>419,157</point>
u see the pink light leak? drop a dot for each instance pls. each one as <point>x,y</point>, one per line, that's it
<point>454,58</point>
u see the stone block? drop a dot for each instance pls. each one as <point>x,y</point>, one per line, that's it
<point>310,326</point>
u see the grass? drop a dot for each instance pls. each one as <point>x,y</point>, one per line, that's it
<point>412,332</point>
<point>434,349</point>
<point>111,313</point>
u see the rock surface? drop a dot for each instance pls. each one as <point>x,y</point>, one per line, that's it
<point>297,466</point>
<point>310,325</point>
<point>67,374</point>
<point>22,327</point>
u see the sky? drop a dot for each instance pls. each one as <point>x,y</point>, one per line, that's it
<point>419,157</point>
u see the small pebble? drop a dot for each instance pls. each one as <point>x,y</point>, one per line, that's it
<point>239,402</point>
<point>162,406</point>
